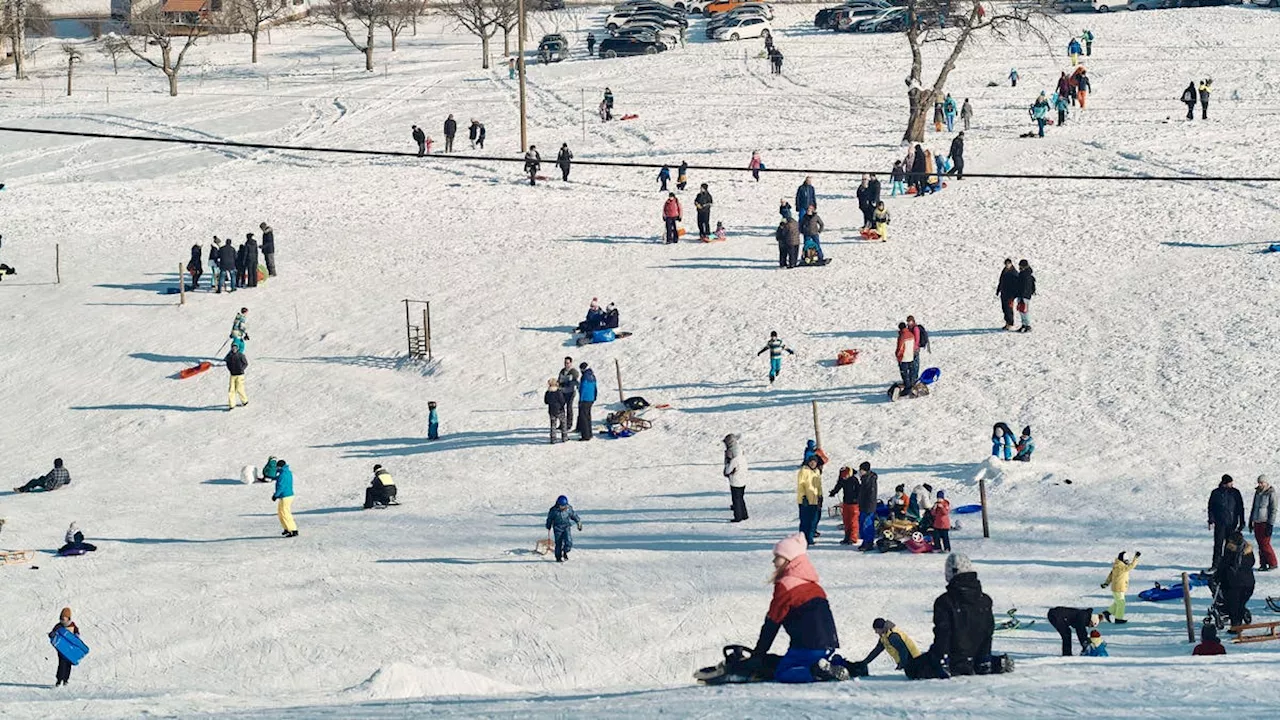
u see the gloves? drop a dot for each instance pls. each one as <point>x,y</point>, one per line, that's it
<point>274,498</point>
<point>579,527</point>
<point>1137,554</point>
<point>1103,585</point>
<point>833,494</point>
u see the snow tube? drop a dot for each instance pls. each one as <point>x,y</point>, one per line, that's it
<point>603,336</point>
<point>1273,248</point>
<point>930,375</point>
<point>966,509</point>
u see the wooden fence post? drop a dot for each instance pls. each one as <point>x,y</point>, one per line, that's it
<point>982,495</point>
<point>817,430</point>
<point>426,326</point>
<point>182,286</point>
<point>618,368</point>
<point>57,262</point>
<point>1186,603</point>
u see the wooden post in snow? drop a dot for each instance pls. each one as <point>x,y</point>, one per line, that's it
<point>57,263</point>
<point>982,496</point>
<point>182,286</point>
<point>618,368</point>
<point>1186,604</point>
<point>817,430</point>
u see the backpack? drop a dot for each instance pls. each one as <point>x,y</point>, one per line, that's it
<point>924,338</point>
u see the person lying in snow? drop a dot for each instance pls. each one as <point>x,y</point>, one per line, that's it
<point>75,544</point>
<point>54,479</point>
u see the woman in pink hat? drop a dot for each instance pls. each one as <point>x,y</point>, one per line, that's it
<point>800,606</point>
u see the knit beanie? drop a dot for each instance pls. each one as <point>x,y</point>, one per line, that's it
<point>957,563</point>
<point>792,547</point>
<point>1225,480</point>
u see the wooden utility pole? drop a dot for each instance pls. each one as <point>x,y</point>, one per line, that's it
<point>817,430</point>
<point>426,324</point>
<point>1186,603</point>
<point>982,496</point>
<point>524,131</point>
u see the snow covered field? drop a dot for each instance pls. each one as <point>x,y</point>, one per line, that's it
<point>1149,374</point>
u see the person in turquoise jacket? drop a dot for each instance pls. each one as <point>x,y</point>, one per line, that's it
<point>1002,441</point>
<point>1013,77</point>
<point>1026,445</point>
<point>1060,104</point>
<point>433,421</point>
<point>1040,112</point>
<point>283,498</point>
<point>949,112</point>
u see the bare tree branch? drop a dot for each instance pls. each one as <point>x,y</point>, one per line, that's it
<point>151,28</point>
<point>478,17</point>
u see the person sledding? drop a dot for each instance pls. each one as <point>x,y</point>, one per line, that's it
<point>963,626</point>
<point>595,318</point>
<point>561,519</point>
<point>902,650</point>
<point>599,320</point>
<point>1209,643</point>
<point>50,481</point>
<point>1118,580</point>
<point>381,490</point>
<point>74,543</point>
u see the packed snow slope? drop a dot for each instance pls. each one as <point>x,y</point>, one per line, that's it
<point>1149,373</point>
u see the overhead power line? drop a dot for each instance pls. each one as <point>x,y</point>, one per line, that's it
<point>614,163</point>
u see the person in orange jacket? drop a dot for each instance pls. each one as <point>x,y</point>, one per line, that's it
<point>906,353</point>
<point>671,214</point>
<point>942,523</point>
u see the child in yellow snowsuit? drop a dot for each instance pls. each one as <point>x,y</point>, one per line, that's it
<point>881,219</point>
<point>1118,579</point>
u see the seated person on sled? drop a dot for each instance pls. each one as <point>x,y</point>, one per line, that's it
<point>75,544</point>
<point>598,319</point>
<point>382,491</point>
<point>56,478</point>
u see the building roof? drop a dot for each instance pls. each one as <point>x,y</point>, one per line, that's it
<point>184,6</point>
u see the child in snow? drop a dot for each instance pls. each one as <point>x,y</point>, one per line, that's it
<point>776,347</point>
<point>1002,442</point>
<point>848,486</point>
<point>898,503</point>
<point>800,605</point>
<point>901,648</point>
<point>1209,644</point>
<point>433,421</point>
<point>920,502</point>
<point>942,523</point>
<point>784,209</point>
<point>1096,647</point>
<point>1025,446</point>
<point>664,177</point>
<point>720,233</point>
<point>755,165</point>
<point>195,266</point>
<point>64,665</point>
<point>811,449</point>
<point>897,178</point>
<point>74,542</point>
<point>560,521</point>
<point>1118,579</point>
<point>240,327</point>
<point>1060,104</point>
<point>881,219</point>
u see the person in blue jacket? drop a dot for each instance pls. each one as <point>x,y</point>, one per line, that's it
<point>1002,441</point>
<point>586,398</point>
<point>1013,77</point>
<point>1026,445</point>
<point>283,498</point>
<point>664,177</point>
<point>433,421</point>
<point>806,197</point>
<point>560,520</point>
<point>1073,49</point>
<point>1060,104</point>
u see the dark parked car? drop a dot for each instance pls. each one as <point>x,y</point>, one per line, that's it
<point>546,5</point>
<point>623,46</point>
<point>553,48</point>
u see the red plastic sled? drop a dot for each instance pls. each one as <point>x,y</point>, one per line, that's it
<point>195,370</point>
<point>628,117</point>
<point>847,357</point>
<point>912,190</point>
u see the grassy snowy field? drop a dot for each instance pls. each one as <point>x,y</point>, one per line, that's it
<point>1149,373</point>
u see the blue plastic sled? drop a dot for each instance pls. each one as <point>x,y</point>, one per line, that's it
<point>930,376</point>
<point>1174,591</point>
<point>966,509</point>
<point>69,645</point>
<point>603,336</point>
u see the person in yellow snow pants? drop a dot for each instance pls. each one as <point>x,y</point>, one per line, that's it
<point>284,510</point>
<point>236,389</point>
<point>1118,580</point>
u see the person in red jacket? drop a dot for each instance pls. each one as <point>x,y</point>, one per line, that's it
<point>1209,644</point>
<point>800,606</point>
<point>64,665</point>
<point>671,214</point>
<point>942,523</point>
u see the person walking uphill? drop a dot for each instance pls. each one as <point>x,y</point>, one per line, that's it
<point>554,401</point>
<point>788,237</point>
<point>586,398</point>
<point>1007,290</point>
<point>283,498</point>
<point>849,486</point>
<point>1189,97</point>
<point>809,497</point>
<point>957,156</point>
<point>868,495</point>
<point>800,606</point>
<point>1262,521</point>
<point>64,664</point>
<point>1205,89</point>
<point>1226,515</point>
<point>236,364</point>
<point>563,161</point>
<point>1118,579</point>
<point>532,163</point>
<point>195,266</point>
<point>966,113</point>
<point>702,203</point>
<point>560,521</point>
<point>806,197</point>
<point>450,129</point>
<point>776,347</point>
<point>735,470</point>
<point>906,354</point>
<point>672,214</point>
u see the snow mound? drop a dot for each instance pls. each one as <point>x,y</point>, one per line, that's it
<point>401,680</point>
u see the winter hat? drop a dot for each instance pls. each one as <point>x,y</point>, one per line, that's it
<point>1027,431</point>
<point>957,563</point>
<point>928,487</point>
<point>65,614</point>
<point>942,495</point>
<point>1209,633</point>
<point>562,500</point>
<point>1226,480</point>
<point>810,445</point>
<point>792,547</point>
<point>881,625</point>
<point>865,466</point>
<point>1262,479</point>
<point>376,468</point>
<point>582,366</point>
<point>1095,634</point>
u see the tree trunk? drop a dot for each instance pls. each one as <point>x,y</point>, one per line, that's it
<point>394,33</point>
<point>506,41</point>
<point>173,82</point>
<point>919,119</point>
<point>484,49</point>
<point>70,65</point>
<point>414,20</point>
<point>368,50</point>
<point>254,37</point>
<point>166,59</point>
<point>115,65</point>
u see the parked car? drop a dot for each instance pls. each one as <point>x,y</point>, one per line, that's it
<point>719,6</point>
<point>749,27</point>
<point>763,7</point>
<point>546,5</point>
<point>826,17</point>
<point>553,48</point>
<point>658,19</point>
<point>667,37</point>
<point>847,18</point>
<point>719,20</point>
<point>617,18</point>
<point>891,20</point>
<point>613,47</point>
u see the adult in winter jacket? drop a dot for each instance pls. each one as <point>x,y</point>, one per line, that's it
<point>1262,520</point>
<point>64,665</point>
<point>586,398</point>
<point>1087,37</point>
<point>941,521</point>
<point>949,112</point>
<point>1026,291</point>
<point>664,177</point>
<point>1226,514</point>
<point>735,471</point>
<point>227,264</point>
<point>50,481</point>
<point>450,129</point>
<point>1235,576</point>
<point>671,214</point>
<point>702,202</point>
<point>963,625</point>
<point>1002,442</point>
<point>917,177</point>
<point>283,498</point>
<point>1206,87</point>
<point>966,113</point>
<point>800,606</point>
<point>568,382</point>
<point>1013,77</point>
<point>1083,86</point>
<point>381,490</point>
<point>868,495</point>
<point>848,486</point>
<point>195,265</point>
<point>902,650</point>
<point>906,353</point>
<point>561,519</point>
<point>532,163</point>
<point>420,138</point>
<point>1189,97</point>
<point>682,175</point>
<point>473,131</point>
<point>251,259</point>
<point>775,346</point>
<point>938,117</point>
<point>1073,50</point>
<point>1118,579</point>
<point>268,248</point>
<point>73,542</point>
<point>873,190</point>
<point>554,401</point>
<point>864,202</point>
<point>236,364</point>
<point>1040,112</point>
<point>1007,288</point>
<point>806,197</point>
<point>564,159</point>
<point>215,271</point>
<point>242,266</point>
<point>809,497</point>
<point>480,135</point>
<point>957,156</point>
<point>788,237</point>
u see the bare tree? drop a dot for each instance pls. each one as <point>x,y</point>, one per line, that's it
<point>400,15</point>
<point>17,18</point>
<point>73,56</point>
<point>249,16</point>
<point>507,17</point>
<point>95,28</point>
<point>955,22</point>
<point>350,17</point>
<point>420,9</point>
<point>114,46</point>
<point>152,29</point>
<point>478,17</point>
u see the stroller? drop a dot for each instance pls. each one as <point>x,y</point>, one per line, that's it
<point>1218,616</point>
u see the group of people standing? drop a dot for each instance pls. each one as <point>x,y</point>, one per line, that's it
<point>1016,287</point>
<point>571,381</point>
<point>234,267</point>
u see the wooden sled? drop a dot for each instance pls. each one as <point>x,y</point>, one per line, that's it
<point>1270,631</point>
<point>14,557</point>
<point>543,547</point>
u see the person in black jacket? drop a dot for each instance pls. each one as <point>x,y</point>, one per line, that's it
<point>564,161</point>
<point>1189,97</point>
<point>917,177</point>
<point>1226,515</point>
<point>242,272</point>
<point>963,625</point>
<point>420,138</point>
<point>867,207</point>
<point>957,156</point>
<point>215,271</point>
<point>236,365</point>
<point>227,263</point>
<point>568,380</point>
<point>268,248</point>
<point>868,494</point>
<point>532,163</point>
<point>1066,619</point>
<point>1026,290</point>
<point>1235,575</point>
<point>251,260</point>
<point>873,194</point>
<point>473,132</point>
<point>450,129</point>
<point>850,486</point>
<point>554,400</point>
<point>1007,289</point>
<point>195,265</point>
<point>702,202</point>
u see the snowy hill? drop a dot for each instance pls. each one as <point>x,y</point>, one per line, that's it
<point>1149,374</point>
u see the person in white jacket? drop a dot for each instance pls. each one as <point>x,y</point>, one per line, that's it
<point>735,469</point>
